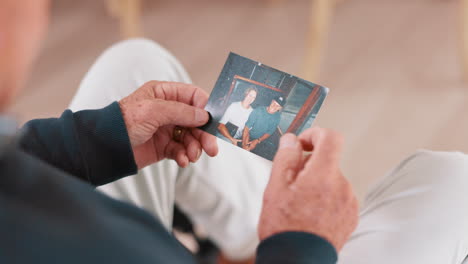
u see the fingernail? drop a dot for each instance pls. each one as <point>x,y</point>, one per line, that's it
<point>201,116</point>
<point>198,154</point>
<point>185,162</point>
<point>288,141</point>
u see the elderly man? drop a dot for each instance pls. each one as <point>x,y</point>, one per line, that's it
<point>50,213</point>
<point>262,123</point>
<point>236,115</point>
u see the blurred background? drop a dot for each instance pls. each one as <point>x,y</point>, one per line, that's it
<point>394,67</point>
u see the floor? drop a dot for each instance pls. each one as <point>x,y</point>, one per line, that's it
<point>392,65</point>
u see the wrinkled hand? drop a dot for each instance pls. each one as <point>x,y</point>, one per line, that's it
<point>151,113</point>
<point>309,193</point>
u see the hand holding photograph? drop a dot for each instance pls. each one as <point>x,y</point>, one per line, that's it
<point>253,105</point>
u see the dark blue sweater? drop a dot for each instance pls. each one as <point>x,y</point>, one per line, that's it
<point>51,213</point>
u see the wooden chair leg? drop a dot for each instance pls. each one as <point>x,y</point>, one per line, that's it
<point>464,38</point>
<point>113,7</point>
<point>275,3</point>
<point>129,14</point>
<point>319,22</point>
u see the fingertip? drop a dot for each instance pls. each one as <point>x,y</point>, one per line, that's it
<point>201,116</point>
<point>288,140</point>
<point>313,137</point>
<point>192,155</point>
<point>192,147</point>
<point>194,151</point>
<point>215,151</point>
<point>209,144</point>
<point>287,160</point>
<point>289,148</point>
<point>212,150</point>
<point>182,159</point>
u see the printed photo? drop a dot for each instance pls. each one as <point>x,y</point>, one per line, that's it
<point>253,105</point>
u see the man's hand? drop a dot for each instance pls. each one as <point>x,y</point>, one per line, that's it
<point>235,141</point>
<point>253,144</point>
<point>151,113</point>
<point>224,131</point>
<point>309,193</point>
<point>247,146</point>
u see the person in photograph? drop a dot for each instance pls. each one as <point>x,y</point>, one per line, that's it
<point>262,123</point>
<point>237,114</point>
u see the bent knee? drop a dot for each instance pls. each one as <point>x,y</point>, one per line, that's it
<point>138,46</point>
<point>439,167</point>
<point>143,60</point>
<point>440,160</point>
<point>427,177</point>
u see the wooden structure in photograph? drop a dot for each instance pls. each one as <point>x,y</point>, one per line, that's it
<point>305,110</point>
<point>300,117</point>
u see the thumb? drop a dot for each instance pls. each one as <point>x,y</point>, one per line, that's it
<point>288,160</point>
<point>177,113</point>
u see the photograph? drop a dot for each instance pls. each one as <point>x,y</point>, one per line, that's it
<point>252,105</point>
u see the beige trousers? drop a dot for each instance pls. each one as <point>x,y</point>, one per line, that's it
<point>418,213</point>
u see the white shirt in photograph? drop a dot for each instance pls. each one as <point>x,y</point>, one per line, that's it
<point>237,115</point>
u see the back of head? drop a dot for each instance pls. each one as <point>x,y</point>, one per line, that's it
<point>22,27</point>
